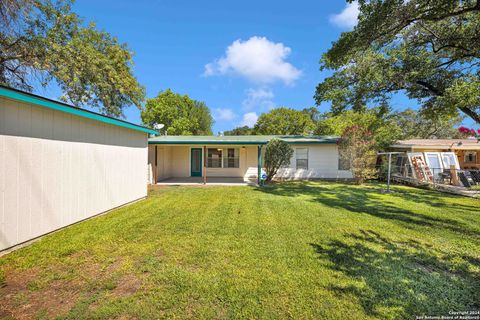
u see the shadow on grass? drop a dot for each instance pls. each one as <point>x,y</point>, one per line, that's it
<point>369,200</point>
<point>400,279</point>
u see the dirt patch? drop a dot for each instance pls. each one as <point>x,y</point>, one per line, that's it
<point>23,299</point>
<point>21,303</point>
<point>127,285</point>
<point>55,290</point>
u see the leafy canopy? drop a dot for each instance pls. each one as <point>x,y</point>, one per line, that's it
<point>428,49</point>
<point>277,154</point>
<point>380,125</point>
<point>180,114</point>
<point>284,121</point>
<point>43,41</point>
<point>239,131</point>
<point>413,124</point>
<point>388,127</point>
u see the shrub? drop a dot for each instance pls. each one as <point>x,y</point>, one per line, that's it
<point>357,147</point>
<point>277,155</point>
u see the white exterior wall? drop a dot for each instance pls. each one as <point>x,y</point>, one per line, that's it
<point>57,169</point>
<point>164,162</point>
<point>247,159</point>
<point>322,164</point>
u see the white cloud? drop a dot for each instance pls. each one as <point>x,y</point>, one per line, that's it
<point>249,119</point>
<point>224,114</point>
<point>257,59</point>
<point>258,99</point>
<point>348,18</point>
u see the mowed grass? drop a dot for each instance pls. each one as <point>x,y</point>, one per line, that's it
<point>310,250</point>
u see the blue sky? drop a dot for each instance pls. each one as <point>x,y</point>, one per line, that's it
<point>241,57</point>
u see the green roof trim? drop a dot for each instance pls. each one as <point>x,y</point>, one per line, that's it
<point>240,140</point>
<point>63,107</point>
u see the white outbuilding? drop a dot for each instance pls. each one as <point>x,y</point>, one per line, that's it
<point>60,164</point>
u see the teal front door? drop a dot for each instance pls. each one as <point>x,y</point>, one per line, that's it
<point>196,162</point>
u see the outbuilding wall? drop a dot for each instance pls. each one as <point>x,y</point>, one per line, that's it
<point>57,169</point>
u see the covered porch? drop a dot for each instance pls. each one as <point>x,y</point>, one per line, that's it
<point>185,162</point>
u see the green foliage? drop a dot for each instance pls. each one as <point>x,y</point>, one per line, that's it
<point>284,121</point>
<point>391,126</point>
<point>277,155</point>
<point>385,131</point>
<point>180,114</point>
<point>413,125</point>
<point>428,49</point>
<point>240,131</point>
<point>357,146</point>
<point>41,39</point>
<point>3,280</point>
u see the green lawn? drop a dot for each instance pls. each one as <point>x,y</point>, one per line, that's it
<point>296,250</point>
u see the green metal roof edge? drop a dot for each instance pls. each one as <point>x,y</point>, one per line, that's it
<point>26,97</point>
<point>236,142</point>
<point>208,142</point>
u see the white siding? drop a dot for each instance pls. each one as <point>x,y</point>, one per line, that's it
<point>57,169</point>
<point>322,164</point>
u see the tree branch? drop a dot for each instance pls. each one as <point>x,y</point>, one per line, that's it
<point>472,114</point>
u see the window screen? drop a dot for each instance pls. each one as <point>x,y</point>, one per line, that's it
<point>232,158</point>
<point>214,158</point>
<point>301,156</point>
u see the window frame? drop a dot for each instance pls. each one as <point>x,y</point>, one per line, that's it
<point>235,159</point>
<point>301,159</point>
<point>470,152</point>
<point>209,159</point>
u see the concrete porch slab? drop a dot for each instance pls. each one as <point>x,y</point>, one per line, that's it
<point>213,181</point>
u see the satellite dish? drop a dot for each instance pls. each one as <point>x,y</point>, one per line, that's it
<point>158,126</point>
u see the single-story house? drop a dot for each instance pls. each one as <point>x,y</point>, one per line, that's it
<point>467,151</point>
<point>60,164</point>
<point>315,157</point>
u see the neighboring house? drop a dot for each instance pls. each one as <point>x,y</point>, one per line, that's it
<point>314,157</point>
<point>60,164</point>
<point>467,151</point>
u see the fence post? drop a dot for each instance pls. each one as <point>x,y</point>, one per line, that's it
<point>453,174</point>
<point>433,176</point>
<point>389,169</point>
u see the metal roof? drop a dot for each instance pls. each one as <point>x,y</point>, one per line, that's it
<point>241,140</point>
<point>15,94</point>
<point>473,144</point>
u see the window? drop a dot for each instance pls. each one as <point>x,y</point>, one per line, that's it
<point>232,158</point>
<point>433,161</point>
<point>470,156</point>
<point>301,155</point>
<point>214,158</point>
<point>448,159</point>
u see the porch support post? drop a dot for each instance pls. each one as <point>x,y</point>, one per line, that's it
<point>154,169</point>
<point>204,164</point>
<point>259,172</point>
